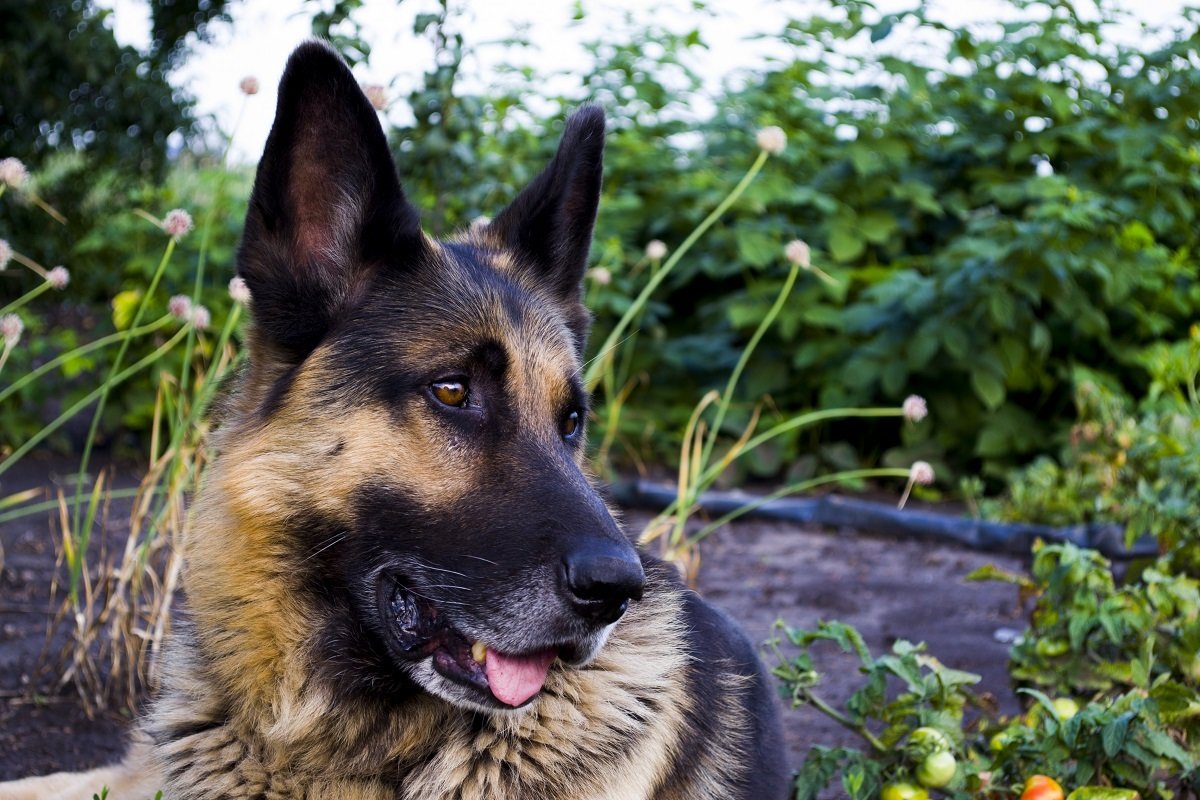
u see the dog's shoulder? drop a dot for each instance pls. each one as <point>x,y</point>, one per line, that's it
<point>732,716</point>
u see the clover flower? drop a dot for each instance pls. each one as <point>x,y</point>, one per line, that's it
<point>58,278</point>
<point>13,173</point>
<point>796,251</point>
<point>200,317</point>
<point>921,472</point>
<point>772,139</point>
<point>656,250</point>
<point>10,330</point>
<point>377,96</point>
<point>915,408</point>
<point>6,254</point>
<point>249,85</point>
<point>180,306</point>
<point>177,223</point>
<point>239,291</point>
<point>600,275</point>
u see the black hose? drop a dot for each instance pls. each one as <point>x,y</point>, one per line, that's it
<point>835,511</point>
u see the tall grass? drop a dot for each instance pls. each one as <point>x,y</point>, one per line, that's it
<point>114,608</point>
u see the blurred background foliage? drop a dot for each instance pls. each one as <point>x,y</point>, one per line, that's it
<point>1005,208</point>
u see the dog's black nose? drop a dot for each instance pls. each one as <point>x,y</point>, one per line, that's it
<point>601,579</point>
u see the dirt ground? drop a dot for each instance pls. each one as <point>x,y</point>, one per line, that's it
<point>759,572</point>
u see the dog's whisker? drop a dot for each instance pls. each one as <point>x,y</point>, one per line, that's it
<point>421,564</point>
<point>329,543</point>
<point>614,346</point>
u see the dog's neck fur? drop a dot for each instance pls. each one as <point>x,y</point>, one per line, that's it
<point>619,710</point>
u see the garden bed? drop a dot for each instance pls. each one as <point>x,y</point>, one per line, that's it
<point>758,571</point>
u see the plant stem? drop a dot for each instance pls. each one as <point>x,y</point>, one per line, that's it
<point>41,288</point>
<point>831,712</point>
<point>794,488</point>
<point>735,376</point>
<point>81,350</point>
<point>83,403</point>
<point>590,377</point>
<point>104,388</point>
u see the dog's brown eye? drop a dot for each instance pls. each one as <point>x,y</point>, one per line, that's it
<point>570,425</point>
<point>451,393</point>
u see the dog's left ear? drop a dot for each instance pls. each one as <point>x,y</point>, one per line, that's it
<point>550,223</point>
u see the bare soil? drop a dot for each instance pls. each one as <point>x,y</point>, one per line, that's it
<point>758,572</point>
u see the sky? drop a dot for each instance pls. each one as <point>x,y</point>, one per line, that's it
<point>264,32</point>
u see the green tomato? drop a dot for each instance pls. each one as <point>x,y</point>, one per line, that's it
<point>937,770</point>
<point>925,741</point>
<point>1052,648</point>
<point>903,791</point>
<point>1065,707</point>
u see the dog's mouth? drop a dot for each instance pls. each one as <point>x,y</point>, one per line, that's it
<point>418,630</point>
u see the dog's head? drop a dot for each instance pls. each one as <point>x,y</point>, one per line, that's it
<point>412,427</point>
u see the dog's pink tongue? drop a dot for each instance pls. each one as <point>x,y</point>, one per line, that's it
<point>515,679</point>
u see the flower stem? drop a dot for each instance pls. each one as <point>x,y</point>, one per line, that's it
<point>41,288</point>
<point>83,403</point>
<point>104,341</point>
<point>591,377</point>
<point>108,383</point>
<point>820,705</point>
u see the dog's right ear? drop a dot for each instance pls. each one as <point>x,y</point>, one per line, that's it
<point>327,211</point>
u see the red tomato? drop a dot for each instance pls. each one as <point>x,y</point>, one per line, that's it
<point>1041,787</point>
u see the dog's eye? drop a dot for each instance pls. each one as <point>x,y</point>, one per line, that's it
<point>450,392</point>
<point>570,425</point>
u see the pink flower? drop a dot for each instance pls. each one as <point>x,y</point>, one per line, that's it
<point>10,329</point>
<point>797,252</point>
<point>5,254</point>
<point>200,318</point>
<point>239,291</point>
<point>13,173</point>
<point>377,95</point>
<point>914,408</point>
<point>58,278</point>
<point>177,223</point>
<point>921,472</point>
<point>772,139</point>
<point>249,85</point>
<point>656,250</point>
<point>180,306</point>
<point>600,275</point>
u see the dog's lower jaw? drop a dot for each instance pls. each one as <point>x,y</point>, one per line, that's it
<point>424,675</point>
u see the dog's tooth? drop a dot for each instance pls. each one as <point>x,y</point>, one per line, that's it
<point>479,652</point>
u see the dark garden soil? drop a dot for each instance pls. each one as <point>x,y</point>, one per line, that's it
<point>757,571</point>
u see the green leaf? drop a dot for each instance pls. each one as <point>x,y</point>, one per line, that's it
<point>845,243</point>
<point>877,226</point>
<point>988,388</point>
<point>1112,735</point>
<point>124,306</point>
<point>1102,793</point>
<point>756,247</point>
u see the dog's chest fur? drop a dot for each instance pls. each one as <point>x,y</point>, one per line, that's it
<point>605,731</point>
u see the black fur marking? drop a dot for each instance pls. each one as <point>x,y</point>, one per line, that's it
<point>278,391</point>
<point>551,220</point>
<point>174,733</point>
<point>719,648</point>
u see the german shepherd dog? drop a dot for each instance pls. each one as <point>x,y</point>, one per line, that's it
<point>401,582</point>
